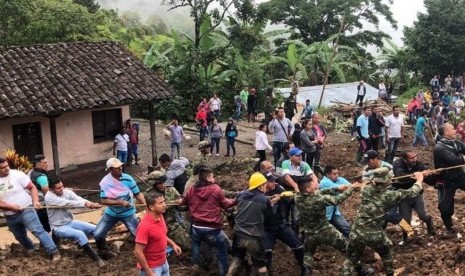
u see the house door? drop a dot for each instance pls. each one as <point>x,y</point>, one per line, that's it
<point>28,139</point>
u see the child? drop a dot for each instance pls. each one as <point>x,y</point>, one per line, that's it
<point>312,205</point>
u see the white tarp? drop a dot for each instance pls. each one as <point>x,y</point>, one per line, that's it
<point>342,92</point>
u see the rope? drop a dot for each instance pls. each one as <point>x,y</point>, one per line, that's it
<point>432,171</point>
<point>101,206</point>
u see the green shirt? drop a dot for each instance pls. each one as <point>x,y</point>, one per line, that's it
<point>303,169</point>
<point>244,96</point>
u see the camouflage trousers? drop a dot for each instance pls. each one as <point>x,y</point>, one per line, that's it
<point>377,240</point>
<point>180,236</point>
<point>327,235</point>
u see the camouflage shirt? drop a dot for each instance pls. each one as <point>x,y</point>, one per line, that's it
<point>200,160</point>
<point>312,207</point>
<point>376,201</point>
<point>171,194</point>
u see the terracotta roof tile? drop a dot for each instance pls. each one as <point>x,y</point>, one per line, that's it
<point>56,78</point>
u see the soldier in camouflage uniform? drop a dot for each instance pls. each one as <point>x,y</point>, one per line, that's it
<point>176,229</point>
<point>367,229</point>
<point>200,160</point>
<point>374,162</point>
<point>311,203</point>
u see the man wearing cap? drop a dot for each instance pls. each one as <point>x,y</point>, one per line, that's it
<point>205,201</point>
<point>318,231</point>
<point>292,170</point>
<point>295,167</point>
<point>176,229</point>
<point>368,229</point>
<point>117,190</point>
<point>361,92</point>
<point>249,228</point>
<point>332,180</point>
<point>373,161</point>
<point>276,227</point>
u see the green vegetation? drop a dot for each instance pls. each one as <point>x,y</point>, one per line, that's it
<point>220,46</point>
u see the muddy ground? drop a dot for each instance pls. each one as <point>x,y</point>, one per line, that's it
<point>425,256</point>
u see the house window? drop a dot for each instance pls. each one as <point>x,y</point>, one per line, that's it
<point>106,124</point>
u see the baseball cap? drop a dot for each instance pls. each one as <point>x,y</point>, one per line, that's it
<point>295,151</point>
<point>270,176</point>
<point>113,163</point>
<point>371,154</point>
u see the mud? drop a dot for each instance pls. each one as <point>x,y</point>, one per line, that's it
<point>424,256</point>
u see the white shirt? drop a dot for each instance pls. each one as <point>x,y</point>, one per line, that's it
<point>394,125</point>
<point>382,87</point>
<point>215,104</point>
<point>459,103</point>
<point>261,141</point>
<point>122,142</point>
<point>13,190</point>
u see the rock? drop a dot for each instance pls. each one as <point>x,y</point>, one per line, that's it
<point>399,270</point>
<point>116,246</point>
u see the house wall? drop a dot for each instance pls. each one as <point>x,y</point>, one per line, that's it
<point>74,134</point>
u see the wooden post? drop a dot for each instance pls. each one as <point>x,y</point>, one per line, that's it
<point>330,63</point>
<point>54,140</point>
<point>153,133</point>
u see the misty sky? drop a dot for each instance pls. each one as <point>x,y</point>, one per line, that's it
<point>405,12</point>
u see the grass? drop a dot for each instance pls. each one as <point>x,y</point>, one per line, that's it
<point>409,94</point>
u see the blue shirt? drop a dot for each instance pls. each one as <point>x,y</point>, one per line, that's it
<point>122,189</point>
<point>420,126</point>
<point>362,122</point>
<point>327,183</point>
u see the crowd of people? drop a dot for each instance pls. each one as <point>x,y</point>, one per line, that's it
<point>292,198</point>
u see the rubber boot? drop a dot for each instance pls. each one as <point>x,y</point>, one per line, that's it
<point>269,258</point>
<point>430,227</point>
<point>93,255</point>
<point>407,229</point>
<point>103,249</point>
<point>55,239</point>
<point>361,271</point>
<point>299,256</point>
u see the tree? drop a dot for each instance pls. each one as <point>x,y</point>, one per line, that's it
<point>44,21</point>
<point>437,39</point>
<point>317,20</point>
<point>91,5</point>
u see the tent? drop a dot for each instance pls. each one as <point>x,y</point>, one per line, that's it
<point>341,92</point>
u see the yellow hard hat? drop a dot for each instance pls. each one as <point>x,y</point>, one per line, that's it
<point>257,179</point>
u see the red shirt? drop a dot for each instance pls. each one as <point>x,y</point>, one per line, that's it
<point>202,115</point>
<point>152,234</point>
